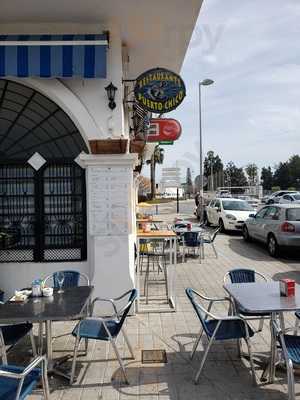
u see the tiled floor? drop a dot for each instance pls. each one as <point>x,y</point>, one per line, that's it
<point>225,375</point>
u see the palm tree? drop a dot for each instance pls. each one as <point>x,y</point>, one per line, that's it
<point>157,158</point>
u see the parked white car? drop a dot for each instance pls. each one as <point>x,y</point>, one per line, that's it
<point>228,213</point>
<point>291,198</point>
<point>275,197</point>
<point>223,193</point>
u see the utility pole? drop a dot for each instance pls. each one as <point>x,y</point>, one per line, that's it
<point>205,82</point>
<point>211,177</point>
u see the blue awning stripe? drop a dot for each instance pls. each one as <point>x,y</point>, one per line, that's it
<point>44,54</point>
<point>69,56</point>
<point>22,54</point>
<point>89,58</point>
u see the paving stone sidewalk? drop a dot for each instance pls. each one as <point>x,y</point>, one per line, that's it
<point>225,375</point>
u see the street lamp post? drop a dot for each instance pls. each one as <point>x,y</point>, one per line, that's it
<point>205,82</point>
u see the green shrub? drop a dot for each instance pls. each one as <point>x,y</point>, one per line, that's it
<point>275,188</point>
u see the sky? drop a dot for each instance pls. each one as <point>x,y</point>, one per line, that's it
<point>251,49</point>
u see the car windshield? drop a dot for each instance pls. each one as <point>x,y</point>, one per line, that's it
<point>237,205</point>
<point>293,214</point>
<point>296,196</point>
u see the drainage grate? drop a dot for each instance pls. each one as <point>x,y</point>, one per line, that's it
<point>154,356</point>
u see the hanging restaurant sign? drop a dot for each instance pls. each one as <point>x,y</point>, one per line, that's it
<point>159,90</point>
<point>163,129</point>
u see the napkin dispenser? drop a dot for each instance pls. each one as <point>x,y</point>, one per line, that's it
<point>287,287</point>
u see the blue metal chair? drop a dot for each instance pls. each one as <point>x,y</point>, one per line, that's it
<point>218,328</point>
<point>190,240</point>
<point>297,315</point>
<point>10,335</point>
<point>244,275</point>
<point>72,279</point>
<point>209,239</point>
<point>290,346</point>
<point>16,383</point>
<point>106,329</point>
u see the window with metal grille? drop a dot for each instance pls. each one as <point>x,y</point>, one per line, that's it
<point>48,209</point>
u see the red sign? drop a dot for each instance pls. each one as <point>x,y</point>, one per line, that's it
<point>163,129</point>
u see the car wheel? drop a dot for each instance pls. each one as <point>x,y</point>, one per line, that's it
<point>222,227</point>
<point>246,235</point>
<point>273,247</point>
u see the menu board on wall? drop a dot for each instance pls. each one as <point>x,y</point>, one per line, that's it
<point>109,199</point>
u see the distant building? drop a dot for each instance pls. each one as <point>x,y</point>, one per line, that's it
<point>170,178</point>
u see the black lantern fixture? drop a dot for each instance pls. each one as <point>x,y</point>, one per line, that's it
<point>111,94</point>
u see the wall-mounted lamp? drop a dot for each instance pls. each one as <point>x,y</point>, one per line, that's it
<point>111,94</point>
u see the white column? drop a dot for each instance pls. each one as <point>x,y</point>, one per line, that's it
<point>111,222</point>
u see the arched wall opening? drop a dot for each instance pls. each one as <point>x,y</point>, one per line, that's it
<point>42,188</point>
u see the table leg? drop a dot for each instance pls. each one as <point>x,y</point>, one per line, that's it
<point>269,370</point>
<point>174,272</point>
<point>54,364</point>
<point>138,274</point>
<point>49,340</point>
<point>281,320</point>
<point>273,349</point>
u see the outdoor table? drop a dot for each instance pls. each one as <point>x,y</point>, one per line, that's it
<point>264,297</point>
<point>194,228</point>
<point>149,221</point>
<point>172,239</point>
<point>141,221</point>
<point>69,305</point>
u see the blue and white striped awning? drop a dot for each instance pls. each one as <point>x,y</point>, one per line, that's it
<point>53,56</point>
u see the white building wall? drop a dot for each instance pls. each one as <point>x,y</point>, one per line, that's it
<point>85,101</point>
<point>93,95</point>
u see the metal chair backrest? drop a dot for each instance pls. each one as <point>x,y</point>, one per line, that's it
<point>132,297</point>
<point>72,279</point>
<point>199,309</point>
<point>214,234</point>
<point>191,239</point>
<point>243,275</point>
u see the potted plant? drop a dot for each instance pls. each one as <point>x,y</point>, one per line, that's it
<point>108,146</point>
<point>137,146</point>
<point>9,237</point>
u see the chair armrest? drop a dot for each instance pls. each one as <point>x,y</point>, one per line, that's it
<point>233,318</point>
<point>214,299</point>
<point>8,374</point>
<point>224,318</point>
<point>111,301</point>
<point>219,300</point>
<point>27,370</point>
<point>38,360</point>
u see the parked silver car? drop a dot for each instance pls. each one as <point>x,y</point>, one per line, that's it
<point>276,225</point>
